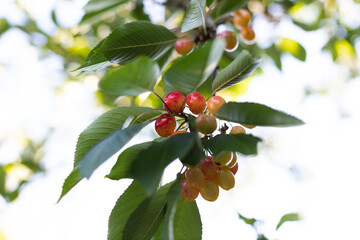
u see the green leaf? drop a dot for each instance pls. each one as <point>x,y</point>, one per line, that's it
<point>256,114</point>
<point>287,218</point>
<point>2,181</point>
<point>228,6</point>
<point>249,221</point>
<point>173,195</point>
<point>146,219</point>
<point>4,26</point>
<point>292,47</point>
<point>96,7</point>
<point>275,55</point>
<point>99,129</point>
<point>194,16</point>
<point>132,40</point>
<point>135,78</point>
<point>74,178</point>
<point>242,143</point>
<point>149,165</point>
<point>122,166</point>
<point>95,60</point>
<point>187,222</point>
<point>164,59</point>
<point>107,147</point>
<point>191,71</point>
<point>241,68</point>
<point>127,203</point>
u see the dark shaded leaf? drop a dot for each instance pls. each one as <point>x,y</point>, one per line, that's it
<point>194,16</point>
<point>146,219</point>
<point>256,114</point>
<point>127,203</point>
<point>228,6</point>
<point>238,70</point>
<point>149,165</point>
<point>135,78</point>
<point>242,143</point>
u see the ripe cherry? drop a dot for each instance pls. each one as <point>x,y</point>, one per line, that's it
<point>208,167</point>
<point>215,103</point>
<point>237,130</point>
<point>184,46</point>
<point>206,124</point>
<point>194,176</point>
<point>222,158</point>
<point>234,169</point>
<point>209,190</point>
<point>230,38</point>
<point>248,33</point>
<point>175,101</point>
<point>225,179</point>
<point>242,18</point>
<point>165,126</point>
<point>188,192</point>
<point>196,102</point>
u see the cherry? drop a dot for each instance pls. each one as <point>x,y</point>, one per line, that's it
<point>184,46</point>
<point>165,126</point>
<point>175,101</point>
<point>188,192</point>
<point>222,158</point>
<point>206,123</point>
<point>249,126</point>
<point>237,130</point>
<point>208,167</point>
<point>230,38</point>
<point>196,102</point>
<point>234,169</point>
<point>225,179</point>
<point>248,33</point>
<point>209,190</point>
<point>194,176</point>
<point>233,161</point>
<point>215,103</point>
<point>242,18</point>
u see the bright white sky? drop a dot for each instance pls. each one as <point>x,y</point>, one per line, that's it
<point>324,151</point>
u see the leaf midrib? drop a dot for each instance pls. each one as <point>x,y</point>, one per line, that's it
<point>140,45</point>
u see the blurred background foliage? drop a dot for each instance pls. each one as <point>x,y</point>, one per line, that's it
<point>100,17</point>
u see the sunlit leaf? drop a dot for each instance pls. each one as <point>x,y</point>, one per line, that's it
<point>194,16</point>
<point>249,221</point>
<point>292,47</point>
<point>241,68</point>
<point>135,78</point>
<point>256,114</point>
<point>287,218</point>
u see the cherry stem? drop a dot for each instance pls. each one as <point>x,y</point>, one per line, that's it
<point>147,111</point>
<point>181,125</point>
<point>162,100</point>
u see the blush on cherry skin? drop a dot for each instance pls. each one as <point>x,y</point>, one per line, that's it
<point>184,46</point>
<point>175,101</point>
<point>166,125</point>
<point>196,102</point>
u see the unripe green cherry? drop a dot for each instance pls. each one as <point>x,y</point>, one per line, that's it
<point>196,102</point>
<point>230,38</point>
<point>175,101</point>
<point>225,179</point>
<point>188,192</point>
<point>242,18</point>
<point>237,130</point>
<point>222,158</point>
<point>165,126</point>
<point>194,176</point>
<point>209,190</point>
<point>215,103</point>
<point>184,46</point>
<point>206,124</point>
<point>248,33</point>
<point>233,161</point>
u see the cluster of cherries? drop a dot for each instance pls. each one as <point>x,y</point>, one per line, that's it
<point>241,21</point>
<point>212,172</point>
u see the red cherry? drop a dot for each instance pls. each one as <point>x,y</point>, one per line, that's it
<point>188,192</point>
<point>215,103</point>
<point>196,102</point>
<point>208,167</point>
<point>234,169</point>
<point>166,125</point>
<point>175,101</point>
<point>184,46</point>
